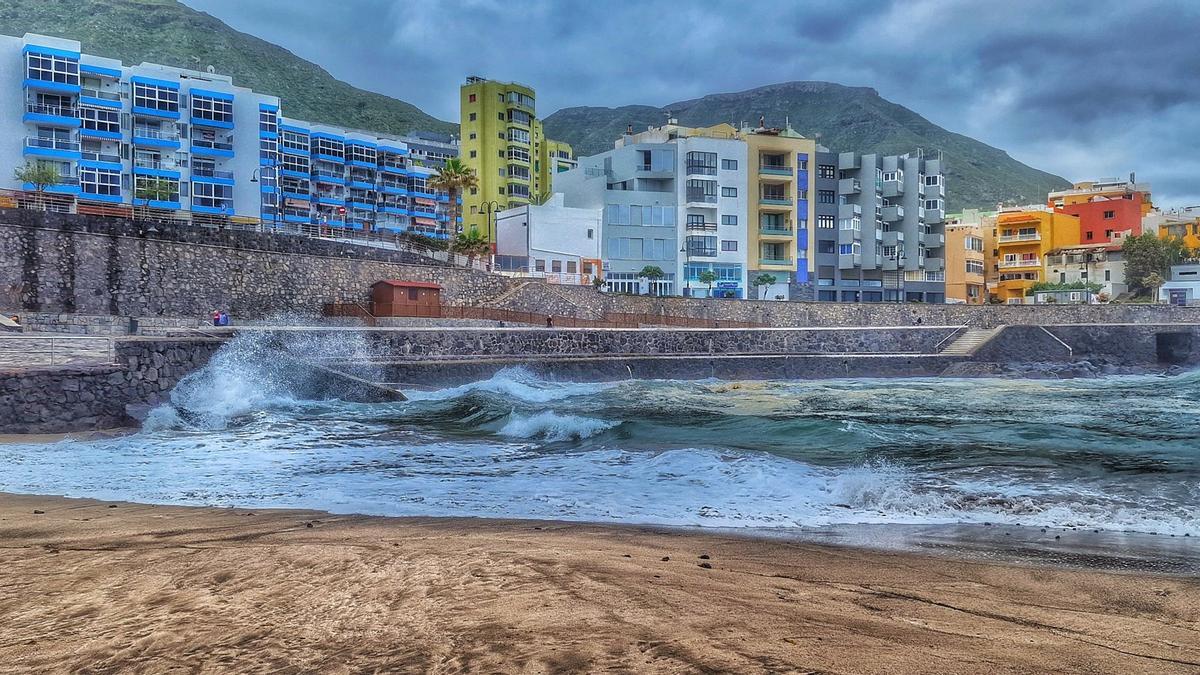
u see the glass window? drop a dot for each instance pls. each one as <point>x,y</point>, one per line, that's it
<point>518,136</point>
<point>294,141</point>
<point>268,120</point>
<point>729,220</point>
<point>328,146</point>
<point>825,171</point>
<point>212,195</point>
<point>729,245</point>
<point>213,109</point>
<point>155,97</point>
<point>826,197</point>
<point>361,153</point>
<point>100,119</point>
<point>825,222</point>
<point>729,164</point>
<point>100,181</point>
<point>47,68</point>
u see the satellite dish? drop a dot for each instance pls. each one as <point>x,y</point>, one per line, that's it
<point>211,70</point>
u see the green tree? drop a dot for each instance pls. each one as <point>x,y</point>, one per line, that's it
<point>1153,281</point>
<point>41,175</point>
<point>1147,254</point>
<point>455,178</point>
<point>762,282</point>
<point>154,190</point>
<point>652,273</point>
<point>471,244</point>
<point>708,277</point>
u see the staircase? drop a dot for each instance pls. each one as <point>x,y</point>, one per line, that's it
<point>969,341</point>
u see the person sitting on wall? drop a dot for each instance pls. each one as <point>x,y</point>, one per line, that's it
<point>224,319</point>
<point>549,321</point>
<point>216,318</point>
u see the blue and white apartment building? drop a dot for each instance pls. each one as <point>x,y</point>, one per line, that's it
<point>192,144</point>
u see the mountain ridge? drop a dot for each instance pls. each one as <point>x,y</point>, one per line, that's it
<point>840,117</point>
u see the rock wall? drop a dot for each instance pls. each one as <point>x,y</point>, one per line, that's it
<point>60,263</point>
<point>55,400</point>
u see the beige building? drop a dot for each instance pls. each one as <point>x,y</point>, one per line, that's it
<point>965,281</point>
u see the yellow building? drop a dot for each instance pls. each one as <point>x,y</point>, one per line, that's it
<point>502,140</point>
<point>964,263</point>
<point>1024,237</point>
<point>779,209</point>
<point>1086,192</point>
<point>1180,224</point>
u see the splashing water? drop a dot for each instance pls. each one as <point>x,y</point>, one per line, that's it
<point>1111,453</point>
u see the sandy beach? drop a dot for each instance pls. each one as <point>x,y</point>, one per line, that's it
<point>100,587</point>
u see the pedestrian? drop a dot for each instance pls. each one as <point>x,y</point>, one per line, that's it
<point>216,318</point>
<point>224,318</point>
<point>549,321</point>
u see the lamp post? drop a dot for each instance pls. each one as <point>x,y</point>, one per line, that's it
<point>489,208</point>
<point>687,262</point>
<point>276,191</point>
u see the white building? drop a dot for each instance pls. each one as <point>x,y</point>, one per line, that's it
<point>1183,288</point>
<point>1102,264</point>
<point>191,144</point>
<point>549,240</point>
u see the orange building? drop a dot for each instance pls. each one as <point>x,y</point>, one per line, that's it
<point>965,263</point>
<point>1023,238</point>
<point>1107,208</point>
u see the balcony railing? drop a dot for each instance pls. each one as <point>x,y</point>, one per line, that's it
<point>1009,238</point>
<point>775,230</point>
<point>319,174</point>
<point>701,251</point>
<point>775,261</point>
<point>158,134</point>
<point>698,170</point>
<point>775,200</point>
<point>103,95</point>
<point>701,198</point>
<point>212,173</point>
<point>168,165</point>
<point>211,145</point>
<point>51,144</point>
<point>1023,262</point>
<point>100,157</point>
<point>702,227</point>
<point>55,110</point>
<point>775,169</point>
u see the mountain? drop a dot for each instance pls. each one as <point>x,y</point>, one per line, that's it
<point>841,118</point>
<point>168,32</point>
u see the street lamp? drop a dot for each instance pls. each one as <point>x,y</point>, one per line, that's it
<point>687,262</point>
<point>490,208</point>
<point>278,196</point>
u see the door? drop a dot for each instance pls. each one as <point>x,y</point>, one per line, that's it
<point>1178,296</point>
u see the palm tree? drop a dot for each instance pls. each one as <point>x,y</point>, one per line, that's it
<point>471,244</point>
<point>455,178</point>
<point>41,176</point>
<point>652,273</point>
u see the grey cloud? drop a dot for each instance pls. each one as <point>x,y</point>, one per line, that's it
<point>1083,89</point>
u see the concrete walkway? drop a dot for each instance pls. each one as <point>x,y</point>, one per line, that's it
<point>36,350</point>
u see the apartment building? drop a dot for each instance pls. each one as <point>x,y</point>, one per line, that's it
<point>779,208</point>
<point>1025,235</point>
<point>1102,265</point>
<point>191,144</point>
<point>965,263</point>
<point>673,197</point>
<point>1105,208</point>
<point>878,233</point>
<point>503,141</point>
<point>1182,223</point>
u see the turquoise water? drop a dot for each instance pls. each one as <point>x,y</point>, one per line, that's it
<point>1116,454</point>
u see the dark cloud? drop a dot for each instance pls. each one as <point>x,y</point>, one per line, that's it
<point>1085,89</point>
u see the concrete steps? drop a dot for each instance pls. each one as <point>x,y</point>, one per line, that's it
<point>969,341</point>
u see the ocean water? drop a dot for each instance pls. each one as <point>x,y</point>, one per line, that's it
<point>1111,454</point>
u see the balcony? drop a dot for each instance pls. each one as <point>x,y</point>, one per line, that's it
<point>692,170</point>
<point>892,214</point>
<point>202,146</point>
<point>848,211</point>
<point>935,264</point>
<point>100,157</point>
<point>773,172</point>
<point>893,264</point>
<point>893,188</point>
<point>933,240</point>
<point>894,238</point>
<point>849,186</point>
<point>63,116</point>
<point>168,165</point>
<point>775,201</point>
<point>781,230</point>
<point>1021,262</point>
<point>156,137</point>
<point>701,227</point>
<point>1014,238</point>
<point>775,262</point>
<point>324,176</point>
<point>849,261</point>
<point>701,200</point>
<point>100,95</point>
<point>204,172</point>
<point>701,252</point>
<point>52,147</point>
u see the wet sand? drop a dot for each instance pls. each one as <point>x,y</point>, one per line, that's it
<point>96,587</point>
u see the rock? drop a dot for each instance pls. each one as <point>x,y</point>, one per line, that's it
<point>704,556</point>
<point>309,525</point>
<point>626,556</point>
<point>37,513</point>
<point>112,506</point>
<point>706,566</point>
<point>666,558</point>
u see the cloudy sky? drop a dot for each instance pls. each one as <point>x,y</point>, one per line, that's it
<point>1085,89</point>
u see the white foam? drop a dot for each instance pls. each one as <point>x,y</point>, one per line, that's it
<point>516,382</point>
<point>553,426</point>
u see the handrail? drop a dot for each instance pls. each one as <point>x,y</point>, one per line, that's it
<point>1070,351</point>
<point>953,333</point>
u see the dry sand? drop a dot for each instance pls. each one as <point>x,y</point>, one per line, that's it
<point>89,588</point>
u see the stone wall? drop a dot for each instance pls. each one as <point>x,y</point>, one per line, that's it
<point>60,263</point>
<point>55,400</point>
<point>533,342</point>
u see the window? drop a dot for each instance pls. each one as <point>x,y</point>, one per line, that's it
<point>556,266</point>
<point>729,165</point>
<point>297,163</point>
<point>268,149</point>
<point>47,68</point>
<point>572,267</point>
<point>729,220</point>
<point>291,140</point>
<point>974,243</point>
<point>1108,275</point>
<point>518,190</point>
<point>155,189</point>
<point>473,115</point>
<point>728,192</point>
<point>826,197</point>
<point>893,176</point>
<point>704,163</point>
<point>212,195</point>
<point>328,146</point>
<point>974,267</point>
<point>729,245</point>
<point>1090,235</point>
<point>825,246</point>
<point>802,162</point>
<point>473,154</point>
<point>846,249</point>
<point>212,109</point>
<point>539,265</point>
<point>518,136</point>
<point>360,153</point>
<point>155,97</point>
<point>100,119</point>
<point>518,117</point>
<point>629,248</point>
<point>268,121</point>
<point>934,179</point>
<point>472,136</point>
<point>471,99</point>
<point>826,171</point>
<point>518,171</point>
<point>703,247</point>
<point>1109,215</point>
<point>100,181</point>
<point>825,222</point>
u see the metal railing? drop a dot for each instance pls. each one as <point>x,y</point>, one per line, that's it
<point>1070,351</point>
<point>701,198</point>
<point>168,165</point>
<point>1027,262</point>
<point>157,134</point>
<point>1007,238</point>
<point>702,227</point>
<point>55,110</point>
<point>103,95</point>
<point>211,173</point>
<point>100,157</point>
<point>211,145</point>
<point>378,311</point>
<point>51,143</point>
